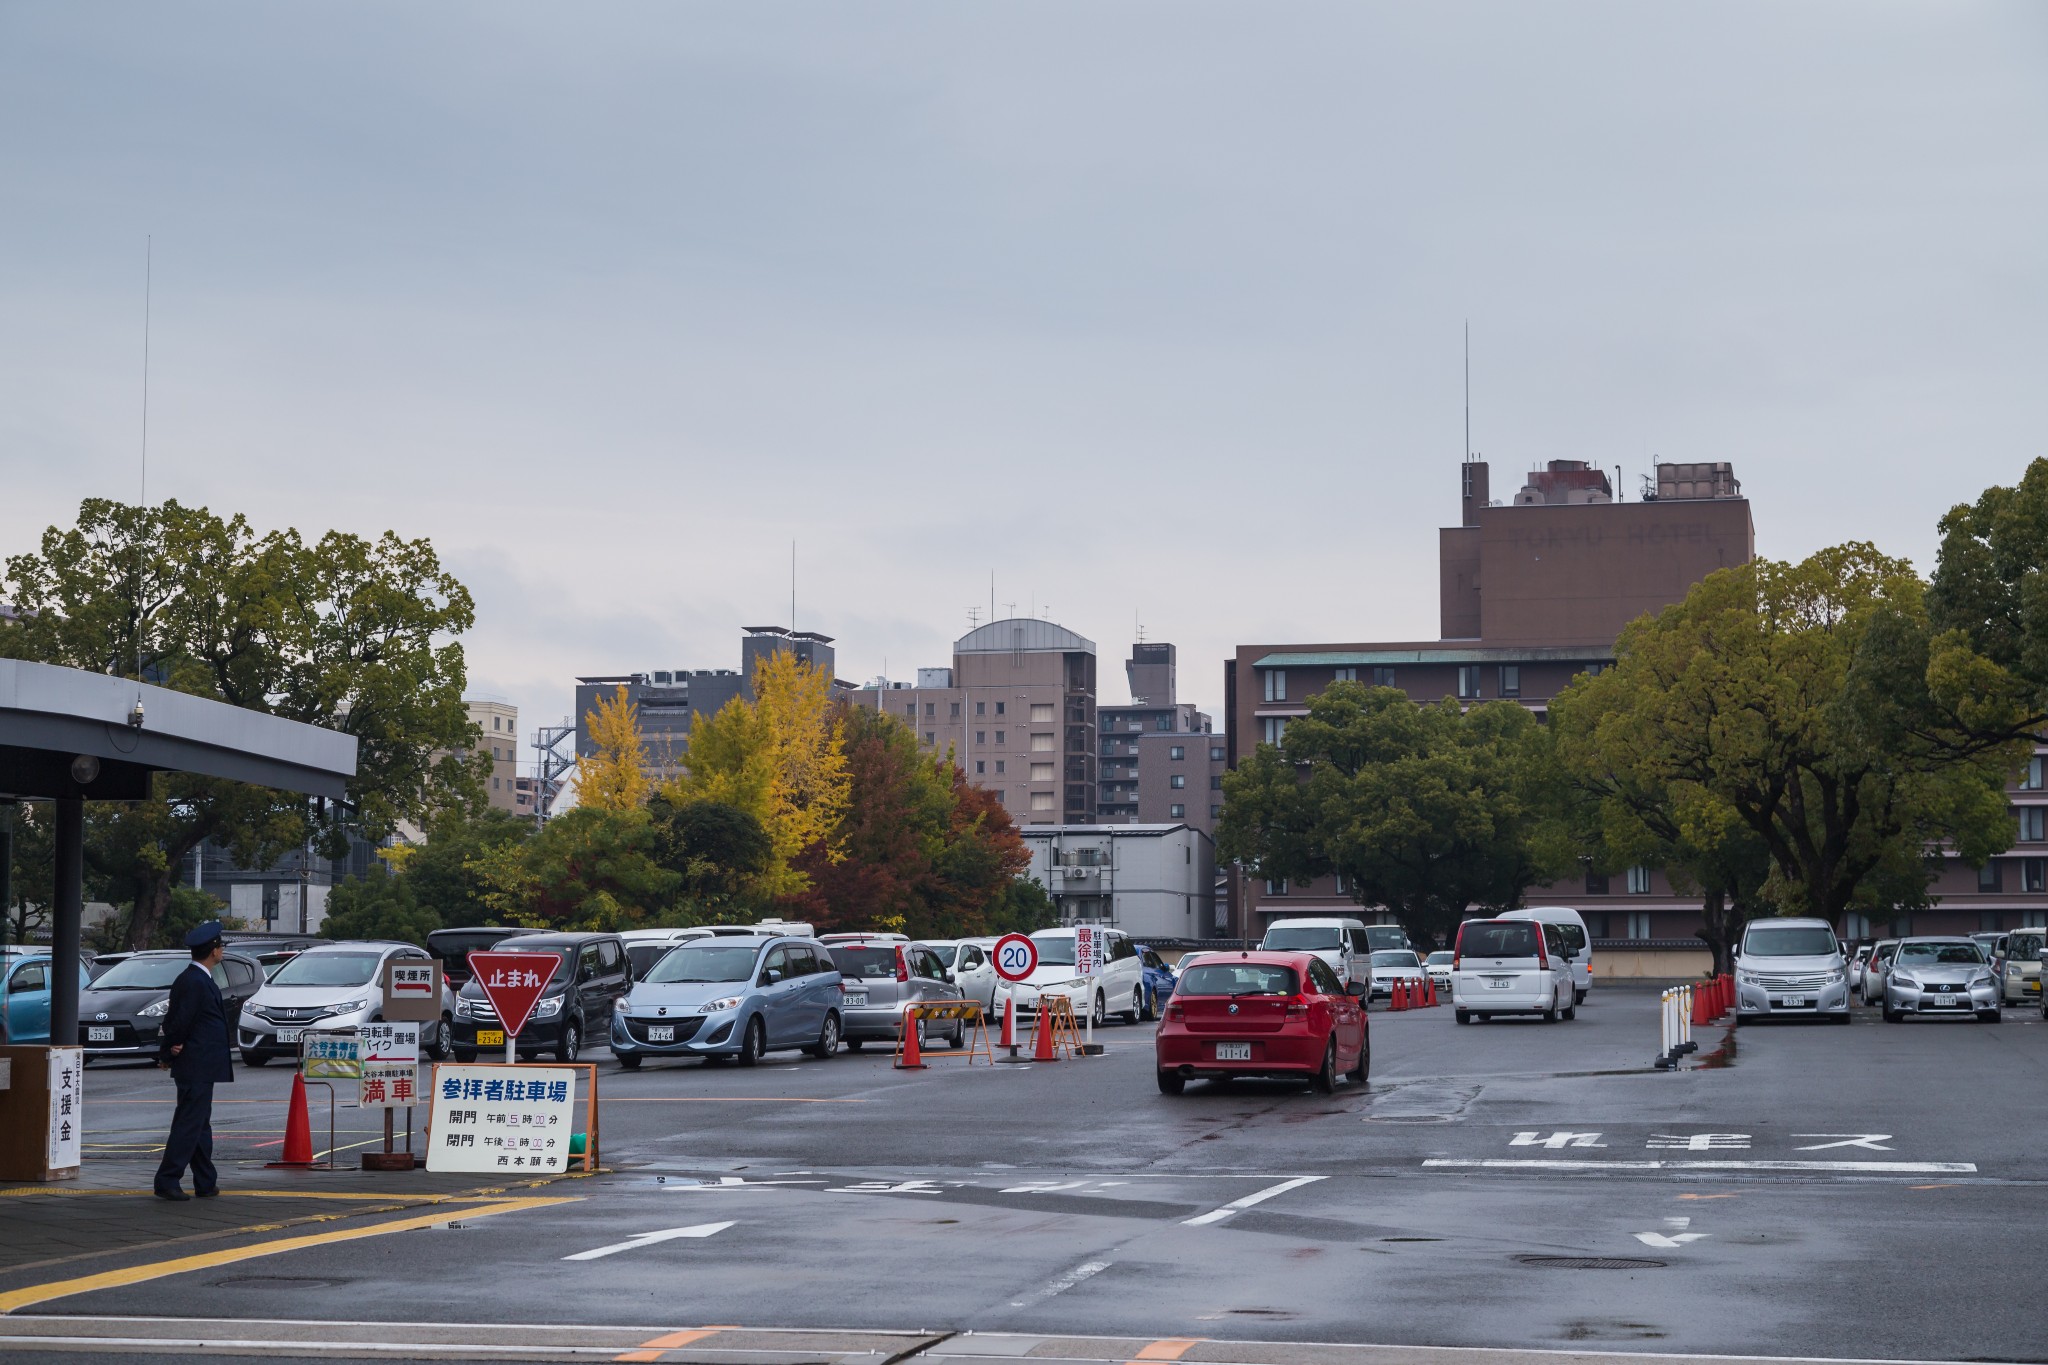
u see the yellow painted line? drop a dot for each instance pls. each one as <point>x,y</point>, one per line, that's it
<point>1167,1348</point>
<point>16,1299</point>
<point>651,1350</point>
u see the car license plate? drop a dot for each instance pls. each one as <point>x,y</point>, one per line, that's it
<point>490,1037</point>
<point>99,1035</point>
<point>661,1033</point>
<point>856,999</point>
<point>1233,1052</point>
<point>1950,1000</point>
<point>1499,983</point>
<point>288,1035</point>
<point>1792,1002</point>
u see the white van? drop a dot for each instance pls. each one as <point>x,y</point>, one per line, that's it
<point>1573,930</point>
<point>1342,944</point>
<point>1511,966</point>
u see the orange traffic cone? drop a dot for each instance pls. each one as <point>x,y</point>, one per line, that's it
<point>1429,991</point>
<point>298,1128</point>
<point>1397,999</point>
<point>909,1055</point>
<point>1043,1051</point>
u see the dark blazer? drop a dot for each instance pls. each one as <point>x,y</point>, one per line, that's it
<point>198,1018</point>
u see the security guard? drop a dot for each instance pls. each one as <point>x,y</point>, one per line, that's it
<point>195,1048</point>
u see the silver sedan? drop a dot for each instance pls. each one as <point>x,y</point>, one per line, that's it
<point>1940,976</point>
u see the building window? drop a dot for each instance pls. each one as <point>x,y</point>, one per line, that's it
<point>1276,684</point>
<point>1215,782</point>
<point>1177,781</point>
<point>1177,812</point>
<point>1511,680</point>
<point>495,784</point>
<point>2034,874</point>
<point>931,739</point>
<point>2030,779</point>
<point>911,710</point>
<point>1276,888</point>
<point>1043,743</point>
<point>1594,670</point>
<point>1215,753</point>
<point>1596,883</point>
<point>1383,677</point>
<point>999,765</point>
<point>931,708</point>
<point>981,736</point>
<point>1276,729</point>
<point>1345,675</point>
<point>1042,711</point>
<point>1639,925</point>
<point>1215,812</point>
<point>980,766</point>
<point>981,708</point>
<point>999,734</point>
<point>1164,724</point>
<point>956,710</point>
<point>1639,882</point>
<point>1041,772</point>
<point>2033,824</point>
<point>1991,876</point>
<point>1468,681</point>
<point>1042,800</point>
<point>1177,752</point>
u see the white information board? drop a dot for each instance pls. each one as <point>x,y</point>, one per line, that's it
<point>391,1066</point>
<point>500,1118</point>
<point>67,1107</point>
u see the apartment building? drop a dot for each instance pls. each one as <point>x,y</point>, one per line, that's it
<point>497,723</point>
<point>1016,710</point>
<point>1160,761</point>
<point>1532,593</point>
<point>670,699</point>
<point>1150,880</point>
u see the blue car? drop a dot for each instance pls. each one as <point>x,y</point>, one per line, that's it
<point>1159,981</point>
<point>732,997</point>
<point>25,996</point>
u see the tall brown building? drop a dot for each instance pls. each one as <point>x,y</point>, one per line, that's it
<point>1160,762</point>
<point>1532,593</point>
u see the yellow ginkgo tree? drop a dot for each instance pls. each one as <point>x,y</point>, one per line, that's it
<point>612,777</point>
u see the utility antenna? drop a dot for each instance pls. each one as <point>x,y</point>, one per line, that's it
<point>1010,607</point>
<point>142,507</point>
<point>792,587</point>
<point>973,617</point>
<point>1468,389</point>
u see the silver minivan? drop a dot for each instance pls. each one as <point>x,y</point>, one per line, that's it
<point>1791,967</point>
<point>1512,966</point>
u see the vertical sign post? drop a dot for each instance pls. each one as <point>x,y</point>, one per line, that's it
<point>1088,964</point>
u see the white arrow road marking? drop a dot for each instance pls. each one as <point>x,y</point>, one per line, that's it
<point>1658,1239</point>
<point>648,1239</point>
<point>1218,1215</point>
<point>1872,1141</point>
<point>733,1182</point>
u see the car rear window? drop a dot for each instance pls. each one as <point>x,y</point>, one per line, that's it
<point>1301,938</point>
<point>1239,978</point>
<point>1789,942</point>
<point>1403,958</point>
<point>1498,938</point>
<point>877,961</point>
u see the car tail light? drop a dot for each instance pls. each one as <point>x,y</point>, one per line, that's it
<point>902,965</point>
<point>1458,949</point>
<point>1542,952</point>
<point>1297,1008</point>
<point>1173,1009</point>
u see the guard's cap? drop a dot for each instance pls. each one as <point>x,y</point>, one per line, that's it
<point>206,933</point>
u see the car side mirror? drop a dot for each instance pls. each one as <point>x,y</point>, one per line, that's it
<point>1355,989</point>
<point>770,977</point>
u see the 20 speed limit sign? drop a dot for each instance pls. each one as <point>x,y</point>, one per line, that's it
<point>1016,957</point>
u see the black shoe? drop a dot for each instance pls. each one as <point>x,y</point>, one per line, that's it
<point>173,1193</point>
<point>208,1194</point>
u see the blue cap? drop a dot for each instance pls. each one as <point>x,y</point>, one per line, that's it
<point>204,934</point>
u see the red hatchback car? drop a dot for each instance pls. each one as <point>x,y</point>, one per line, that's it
<point>1262,1014</point>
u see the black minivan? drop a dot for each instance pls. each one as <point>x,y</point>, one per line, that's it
<point>591,972</point>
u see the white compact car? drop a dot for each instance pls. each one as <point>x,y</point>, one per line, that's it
<point>1340,943</point>
<point>1119,989</point>
<point>1511,966</point>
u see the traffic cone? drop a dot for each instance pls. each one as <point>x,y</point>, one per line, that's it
<point>1043,1051</point>
<point>1397,999</point>
<point>1429,987</point>
<point>909,1056</point>
<point>298,1128</point>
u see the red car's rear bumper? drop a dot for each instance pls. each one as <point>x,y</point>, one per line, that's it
<point>1289,1050</point>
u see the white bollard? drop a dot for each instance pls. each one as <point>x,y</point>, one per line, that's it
<point>1666,1058</point>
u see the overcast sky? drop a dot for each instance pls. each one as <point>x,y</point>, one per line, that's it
<point>1152,309</point>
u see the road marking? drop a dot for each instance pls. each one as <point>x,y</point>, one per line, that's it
<point>1560,1164</point>
<point>1167,1348</point>
<point>1701,1142</point>
<point>651,1350</point>
<point>1658,1239</point>
<point>1556,1140</point>
<point>1235,1205</point>
<point>1063,1283</point>
<point>155,1270</point>
<point>1869,1140</point>
<point>648,1239</point>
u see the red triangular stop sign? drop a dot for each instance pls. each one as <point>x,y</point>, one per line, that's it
<point>513,983</point>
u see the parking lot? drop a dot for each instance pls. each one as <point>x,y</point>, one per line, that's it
<point>1503,1185</point>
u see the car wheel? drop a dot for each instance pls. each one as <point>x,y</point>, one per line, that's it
<point>1149,1004</point>
<point>1464,1016</point>
<point>1172,1083</point>
<point>629,1060</point>
<point>1137,1009</point>
<point>1364,1068</point>
<point>1550,1015</point>
<point>444,1038</point>
<point>259,1059</point>
<point>1325,1080</point>
<point>571,1044</point>
<point>1099,1011</point>
<point>959,1038</point>
<point>828,1037</point>
<point>1579,998</point>
<point>1892,1016</point>
<point>465,1055</point>
<point>1990,1017</point>
<point>754,1042</point>
<point>1571,1011</point>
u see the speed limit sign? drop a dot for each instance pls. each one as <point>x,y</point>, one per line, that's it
<point>1016,957</point>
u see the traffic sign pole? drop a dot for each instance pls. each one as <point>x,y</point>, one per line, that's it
<point>1016,958</point>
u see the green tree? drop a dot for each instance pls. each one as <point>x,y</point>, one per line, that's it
<point>718,852</point>
<point>1426,810</point>
<point>448,873</point>
<point>587,869</point>
<point>1988,607</point>
<point>30,883</point>
<point>1790,703</point>
<point>379,906</point>
<point>352,634</point>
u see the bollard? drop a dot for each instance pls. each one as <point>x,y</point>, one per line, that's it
<point>1666,1058</point>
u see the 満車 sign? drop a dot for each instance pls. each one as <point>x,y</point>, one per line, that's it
<point>390,1055</point>
<point>500,1118</point>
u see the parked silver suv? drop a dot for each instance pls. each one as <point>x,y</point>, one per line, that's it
<point>1791,967</point>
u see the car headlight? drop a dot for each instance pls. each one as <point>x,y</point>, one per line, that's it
<point>348,1007</point>
<point>1981,979</point>
<point>731,1002</point>
<point>1748,979</point>
<point>1835,977</point>
<point>467,1008</point>
<point>549,1007</point>
<point>1906,979</point>
<point>156,1011</point>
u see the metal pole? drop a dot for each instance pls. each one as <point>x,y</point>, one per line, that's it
<point>67,928</point>
<point>6,888</point>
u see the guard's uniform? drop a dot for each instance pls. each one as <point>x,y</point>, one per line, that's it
<point>198,1019</point>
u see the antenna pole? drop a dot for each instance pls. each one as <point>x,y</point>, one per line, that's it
<point>1468,389</point>
<point>142,483</point>
<point>792,587</point>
